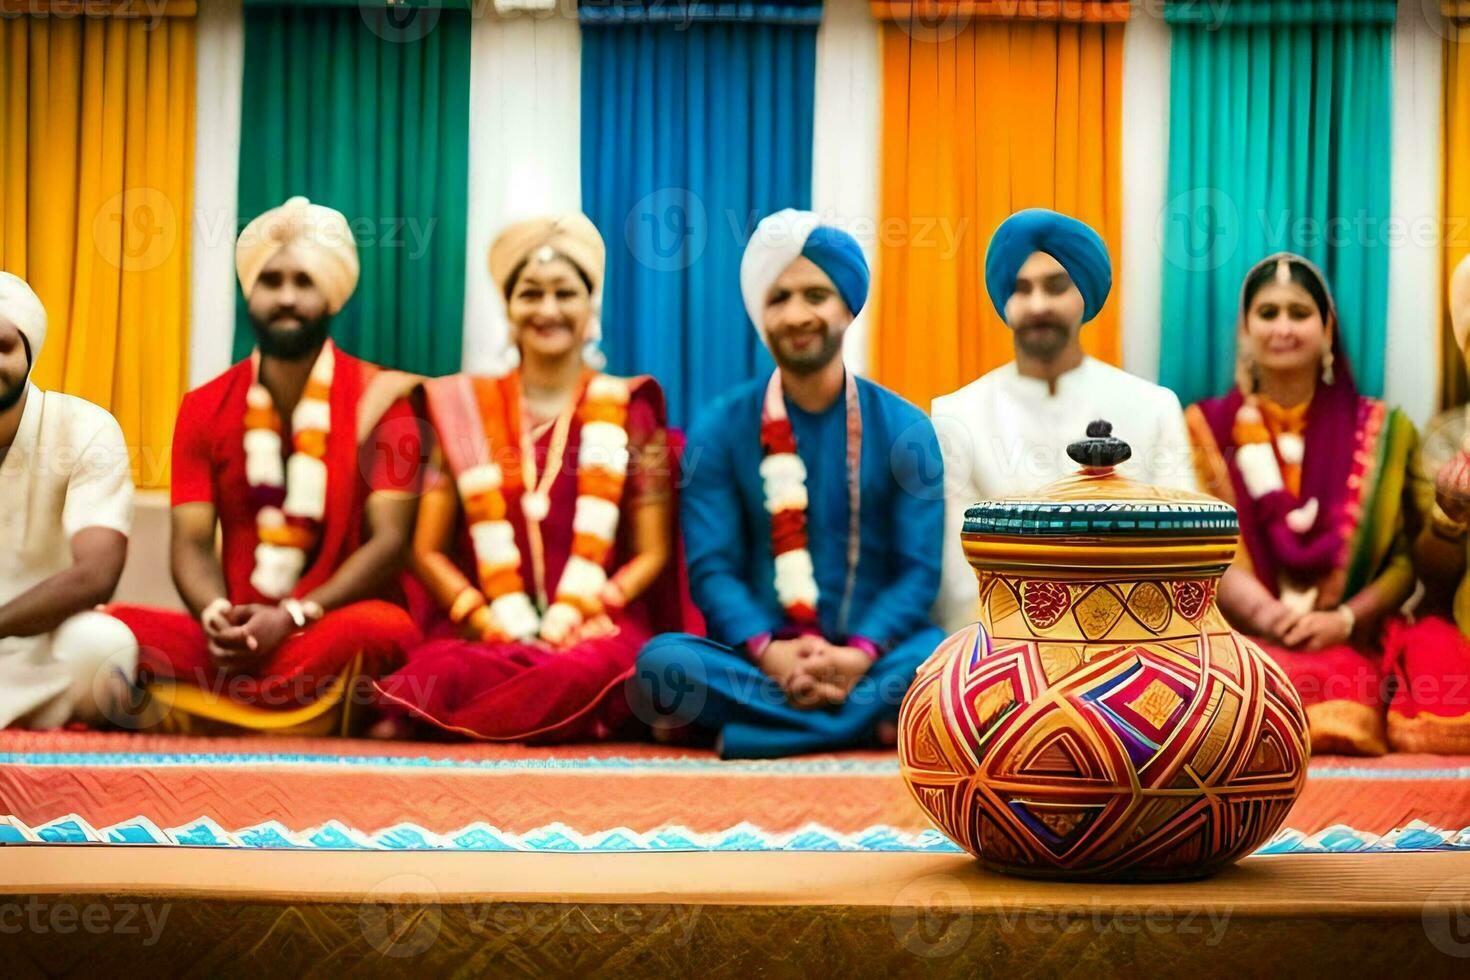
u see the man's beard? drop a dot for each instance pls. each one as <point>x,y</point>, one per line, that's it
<point>11,396</point>
<point>291,345</point>
<point>808,362</point>
<point>1043,340</point>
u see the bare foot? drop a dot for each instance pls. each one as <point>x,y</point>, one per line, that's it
<point>389,729</point>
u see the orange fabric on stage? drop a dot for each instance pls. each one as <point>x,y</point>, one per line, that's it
<point>96,185</point>
<point>1003,115</point>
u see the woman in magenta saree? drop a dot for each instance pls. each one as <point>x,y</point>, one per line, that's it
<point>1325,482</point>
<point>547,540</point>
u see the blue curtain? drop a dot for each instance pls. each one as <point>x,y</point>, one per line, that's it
<point>691,133</point>
<point>1280,126</point>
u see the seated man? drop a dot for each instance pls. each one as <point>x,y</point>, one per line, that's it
<point>1006,434</point>
<point>812,520</point>
<point>68,504</point>
<point>307,459</point>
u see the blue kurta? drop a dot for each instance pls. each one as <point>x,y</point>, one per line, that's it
<point>727,534</point>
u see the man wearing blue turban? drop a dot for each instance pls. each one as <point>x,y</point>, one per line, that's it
<point>812,520</point>
<point>1006,434</point>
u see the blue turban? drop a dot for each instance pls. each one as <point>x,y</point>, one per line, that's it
<point>785,236</point>
<point>1076,246</point>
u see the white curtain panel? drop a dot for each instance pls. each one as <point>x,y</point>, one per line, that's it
<point>849,101</point>
<point>525,148</point>
<point>1411,378</point>
<point>220,57</point>
<point>1145,180</point>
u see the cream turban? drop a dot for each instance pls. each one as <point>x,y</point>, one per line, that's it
<point>572,235</point>
<point>21,306</point>
<point>318,234</point>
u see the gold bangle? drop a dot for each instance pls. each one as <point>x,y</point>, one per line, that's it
<point>465,604</point>
<point>1445,527</point>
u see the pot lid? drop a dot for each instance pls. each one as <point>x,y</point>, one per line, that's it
<point>1099,508</point>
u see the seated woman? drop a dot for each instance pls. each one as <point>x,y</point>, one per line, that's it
<point>548,543</point>
<point>1430,660</point>
<point>1321,477</point>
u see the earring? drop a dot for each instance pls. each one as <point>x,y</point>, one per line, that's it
<point>592,354</point>
<point>1247,375</point>
<point>1327,376</point>
<point>510,358</point>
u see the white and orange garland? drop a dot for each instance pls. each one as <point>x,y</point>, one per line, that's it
<point>293,493</point>
<point>783,475</point>
<point>602,469</point>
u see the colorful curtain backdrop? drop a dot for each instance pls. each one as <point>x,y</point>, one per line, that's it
<point>366,110</point>
<point>1453,386</point>
<point>1279,139</point>
<point>96,176</point>
<point>691,133</point>
<point>988,108</point>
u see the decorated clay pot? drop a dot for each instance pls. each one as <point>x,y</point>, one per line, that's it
<point>1102,720</point>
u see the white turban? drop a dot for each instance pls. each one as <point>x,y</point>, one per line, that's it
<point>21,306</point>
<point>319,235</point>
<point>780,239</point>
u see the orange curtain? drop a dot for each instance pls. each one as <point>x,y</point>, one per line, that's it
<point>97,116</point>
<point>983,117</point>
<point>1453,387</point>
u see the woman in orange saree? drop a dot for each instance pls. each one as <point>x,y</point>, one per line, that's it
<point>547,541</point>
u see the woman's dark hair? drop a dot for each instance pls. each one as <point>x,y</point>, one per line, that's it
<point>1301,274</point>
<point>515,274</point>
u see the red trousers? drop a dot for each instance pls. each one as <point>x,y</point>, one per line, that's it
<point>1342,691</point>
<point>172,646</point>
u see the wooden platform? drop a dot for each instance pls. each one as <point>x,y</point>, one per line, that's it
<point>236,913</point>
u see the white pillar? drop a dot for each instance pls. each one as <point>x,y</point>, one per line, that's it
<point>220,72</point>
<point>525,148</point>
<point>1415,294</point>
<point>1146,42</point>
<point>845,140</point>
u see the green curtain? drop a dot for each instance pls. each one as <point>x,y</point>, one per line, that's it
<point>1280,126</point>
<point>367,111</point>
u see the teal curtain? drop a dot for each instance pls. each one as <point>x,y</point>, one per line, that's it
<point>1280,127</point>
<point>367,111</point>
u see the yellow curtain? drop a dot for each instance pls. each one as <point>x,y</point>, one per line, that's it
<point>983,118</point>
<point>97,171</point>
<point>1453,387</point>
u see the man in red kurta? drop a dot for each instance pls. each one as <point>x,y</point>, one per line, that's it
<point>306,459</point>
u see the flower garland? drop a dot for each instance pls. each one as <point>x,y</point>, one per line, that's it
<point>291,496</point>
<point>1261,459</point>
<point>602,461</point>
<point>783,475</point>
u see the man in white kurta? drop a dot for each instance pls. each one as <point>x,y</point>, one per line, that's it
<point>66,505</point>
<point>1006,434</point>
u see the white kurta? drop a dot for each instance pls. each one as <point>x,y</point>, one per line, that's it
<point>66,470</point>
<point>1005,435</point>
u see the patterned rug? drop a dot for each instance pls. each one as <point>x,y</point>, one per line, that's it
<point>121,789</point>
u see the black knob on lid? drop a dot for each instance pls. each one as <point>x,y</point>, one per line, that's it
<point>1100,449</point>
